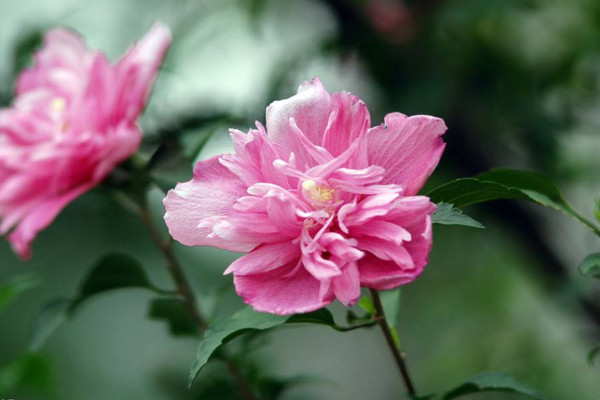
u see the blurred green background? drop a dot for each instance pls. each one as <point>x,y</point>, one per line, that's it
<point>517,82</point>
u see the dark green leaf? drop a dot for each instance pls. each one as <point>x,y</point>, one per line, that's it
<point>506,184</point>
<point>321,317</point>
<point>176,314</point>
<point>26,44</point>
<point>490,382</point>
<point>593,354</point>
<point>16,286</point>
<point>113,271</point>
<point>466,191</point>
<point>223,330</point>
<point>29,371</point>
<point>52,315</point>
<point>170,166</point>
<point>272,388</point>
<point>446,214</point>
<point>590,266</point>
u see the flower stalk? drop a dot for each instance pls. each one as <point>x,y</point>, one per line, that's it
<point>399,356</point>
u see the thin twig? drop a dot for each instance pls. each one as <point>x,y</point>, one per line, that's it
<point>183,287</point>
<point>398,355</point>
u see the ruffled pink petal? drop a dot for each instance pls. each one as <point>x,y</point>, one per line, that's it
<point>94,110</point>
<point>388,251</point>
<point>310,109</point>
<point>137,70</point>
<point>409,148</point>
<point>211,193</point>
<point>380,274</point>
<point>120,143</point>
<point>38,218</point>
<point>319,267</point>
<point>420,247</point>
<point>253,158</point>
<point>350,119</point>
<point>265,258</point>
<point>59,66</point>
<point>286,290</point>
<point>346,287</point>
<point>390,263</point>
<point>384,230</point>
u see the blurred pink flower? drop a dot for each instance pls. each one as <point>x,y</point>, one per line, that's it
<point>73,120</point>
<point>323,203</point>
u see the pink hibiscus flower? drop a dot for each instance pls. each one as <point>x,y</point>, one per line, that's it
<point>73,120</point>
<point>323,203</point>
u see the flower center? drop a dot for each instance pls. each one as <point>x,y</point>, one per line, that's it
<point>58,104</point>
<point>320,194</point>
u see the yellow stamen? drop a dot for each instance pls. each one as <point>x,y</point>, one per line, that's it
<point>58,104</point>
<point>320,193</point>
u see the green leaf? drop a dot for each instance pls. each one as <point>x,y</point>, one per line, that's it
<point>390,301</point>
<point>490,382</point>
<point>506,184</point>
<point>223,330</point>
<point>590,266</point>
<point>26,44</point>
<point>47,321</point>
<point>320,317</point>
<point>29,371</point>
<point>16,286</point>
<point>366,304</point>
<point>113,271</point>
<point>272,388</point>
<point>176,314</point>
<point>446,214</point>
<point>593,354</point>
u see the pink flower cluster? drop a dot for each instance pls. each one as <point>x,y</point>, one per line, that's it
<point>322,202</point>
<point>73,120</point>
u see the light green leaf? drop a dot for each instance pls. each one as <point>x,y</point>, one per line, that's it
<point>506,184</point>
<point>446,214</point>
<point>390,301</point>
<point>590,266</point>
<point>366,304</point>
<point>16,286</point>
<point>493,382</point>
<point>113,271</point>
<point>176,314</point>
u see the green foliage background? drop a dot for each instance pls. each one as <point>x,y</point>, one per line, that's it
<point>517,83</point>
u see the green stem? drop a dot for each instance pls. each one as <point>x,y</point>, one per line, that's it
<point>396,352</point>
<point>183,287</point>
